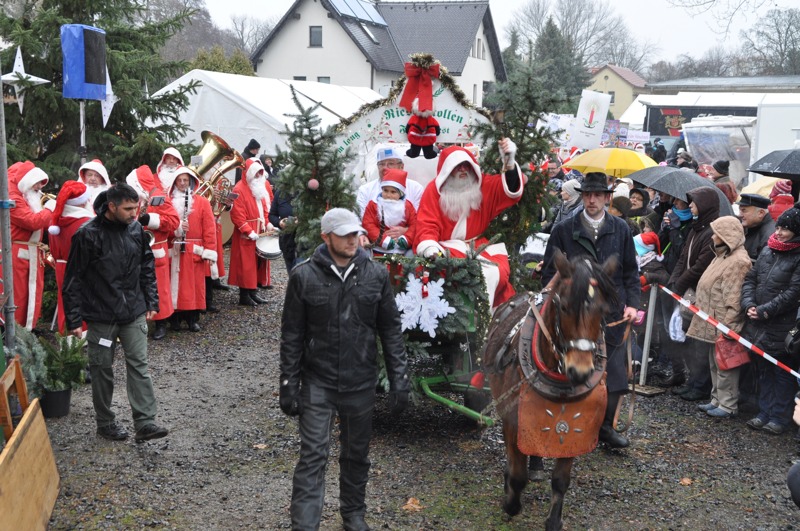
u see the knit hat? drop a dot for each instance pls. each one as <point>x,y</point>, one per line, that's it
<point>722,166</point>
<point>73,193</point>
<point>97,166</point>
<point>555,184</point>
<point>253,144</point>
<point>646,242</point>
<point>571,188</point>
<point>395,178</point>
<point>784,186</point>
<point>790,220</point>
<point>623,204</point>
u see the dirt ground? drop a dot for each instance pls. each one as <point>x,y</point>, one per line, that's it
<point>228,460</point>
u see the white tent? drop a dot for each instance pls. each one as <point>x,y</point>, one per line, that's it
<point>238,108</point>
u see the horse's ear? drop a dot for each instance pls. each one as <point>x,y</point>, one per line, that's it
<point>562,264</point>
<point>610,266</point>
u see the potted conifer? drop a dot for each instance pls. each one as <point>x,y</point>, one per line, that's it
<point>65,362</point>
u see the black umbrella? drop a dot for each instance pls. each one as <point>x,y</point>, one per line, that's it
<point>678,182</point>
<point>783,164</point>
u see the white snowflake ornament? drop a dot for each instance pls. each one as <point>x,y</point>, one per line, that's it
<point>420,309</point>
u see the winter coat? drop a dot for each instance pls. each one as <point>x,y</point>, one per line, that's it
<point>565,210</point>
<point>698,250</point>
<point>330,323</point>
<point>756,237</point>
<point>727,187</point>
<point>110,276</point>
<point>773,287</point>
<point>672,237</point>
<point>720,287</point>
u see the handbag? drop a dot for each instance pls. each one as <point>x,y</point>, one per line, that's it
<point>729,353</point>
<point>792,341</point>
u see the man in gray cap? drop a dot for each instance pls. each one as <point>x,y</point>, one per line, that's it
<point>758,224</point>
<point>336,304</point>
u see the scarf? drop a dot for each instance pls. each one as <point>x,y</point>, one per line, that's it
<point>781,247</point>
<point>683,215</point>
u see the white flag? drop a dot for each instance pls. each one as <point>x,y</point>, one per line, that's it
<point>107,104</point>
<point>591,119</point>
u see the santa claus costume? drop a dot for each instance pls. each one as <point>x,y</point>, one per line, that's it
<point>382,214</point>
<point>249,217</point>
<point>471,209</point>
<point>161,220</point>
<point>28,221</point>
<point>191,248</point>
<point>73,209</point>
<point>94,165</point>
<point>166,172</point>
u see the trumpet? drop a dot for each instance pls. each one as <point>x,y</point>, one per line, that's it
<point>46,197</point>
<point>217,187</point>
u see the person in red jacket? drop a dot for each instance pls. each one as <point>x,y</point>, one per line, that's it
<point>29,219</point>
<point>458,206</point>
<point>391,209</point>
<point>161,219</point>
<point>249,215</point>
<point>73,209</point>
<point>194,243</point>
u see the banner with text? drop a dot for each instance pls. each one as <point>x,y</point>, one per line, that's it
<point>587,132</point>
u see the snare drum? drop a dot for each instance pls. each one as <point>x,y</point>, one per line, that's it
<point>267,247</point>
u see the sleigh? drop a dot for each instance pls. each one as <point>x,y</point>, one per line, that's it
<point>444,313</point>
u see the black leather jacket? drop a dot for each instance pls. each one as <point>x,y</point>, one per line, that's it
<point>330,321</point>
<point>110,275</point>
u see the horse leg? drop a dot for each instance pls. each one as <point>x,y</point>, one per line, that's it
<point>516,474</point>
<point>559,484</point>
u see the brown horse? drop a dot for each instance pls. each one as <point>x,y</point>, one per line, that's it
<point>546,371</point>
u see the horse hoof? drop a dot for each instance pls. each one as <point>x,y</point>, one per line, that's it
<point>512,508</point>
<point>536,475</point>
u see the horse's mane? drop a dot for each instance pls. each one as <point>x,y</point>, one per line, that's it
<point>586,273</point>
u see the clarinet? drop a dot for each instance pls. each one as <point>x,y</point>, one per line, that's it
<point>185,217</point>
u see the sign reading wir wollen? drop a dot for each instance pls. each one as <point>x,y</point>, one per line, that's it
<point>590,120</point>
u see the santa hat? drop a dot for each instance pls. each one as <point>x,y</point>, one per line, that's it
<point>784,186</point>
<point>451,157</point>
<point>170,184</point>
<point>395,178</point>
<point>73,193</point>
<point>648,241</point>
<point>97,166</point>
<point>142,180</point>
<point>169,151</point>
<point>251,168</point>
<point>26,175</point>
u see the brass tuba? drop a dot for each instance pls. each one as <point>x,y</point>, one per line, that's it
<point>216,187</point>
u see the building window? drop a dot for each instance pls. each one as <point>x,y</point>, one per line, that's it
<point>299,78</point>
<point>475,94</point>
<point>478,48</point>
<point>324,79</point>
<point>611,93</point>
<point>315,36</point>
<point>483,52</point>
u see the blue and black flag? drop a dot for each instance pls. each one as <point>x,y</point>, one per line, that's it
<point>84,52</point>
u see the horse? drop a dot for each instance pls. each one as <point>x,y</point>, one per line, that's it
<point>546,371</point>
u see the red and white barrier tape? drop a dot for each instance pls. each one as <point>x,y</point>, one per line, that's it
<point>728,332</point>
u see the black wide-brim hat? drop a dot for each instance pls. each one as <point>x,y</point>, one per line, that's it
<point>594,182</point>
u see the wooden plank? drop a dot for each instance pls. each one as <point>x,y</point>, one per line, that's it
<point>29,480</point>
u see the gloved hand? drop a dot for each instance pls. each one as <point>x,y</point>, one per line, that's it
<point>402,243</point>
<point>431,252</point>
<point>672,219</point>
<point>144,219</point>
<point>290,399</point>
<point>509,153</point>
<point>50,205</point>
<point>398,401</point>
<point>253,236</point>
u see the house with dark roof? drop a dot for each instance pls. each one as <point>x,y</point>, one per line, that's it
<point>622,84</point>
<point>785,84</point>
<point>363,43</point>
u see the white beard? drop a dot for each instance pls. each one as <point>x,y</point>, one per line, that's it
<point>34,200</point>
<point>392,211</point>
<point>165,174</point>
<point>95,191</point>
<point>258,187</point>
<point>179,202</point>
<point>457,197</point>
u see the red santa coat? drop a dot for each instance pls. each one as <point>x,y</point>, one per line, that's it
<point>422,131</point>
<point>437,230</point>
<point>199,245</point>
<point>163,222</point>
<point>26,235</point>
<point>220,270</point>
<point>372,222</point>
<point>71,220</point>
<point>246,270</point>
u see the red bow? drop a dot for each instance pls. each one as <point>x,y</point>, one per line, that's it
<point>419,84</point>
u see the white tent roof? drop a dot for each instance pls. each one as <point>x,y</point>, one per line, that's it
<point>238,108</point>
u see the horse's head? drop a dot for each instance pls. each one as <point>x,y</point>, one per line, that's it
<point>583,293</point>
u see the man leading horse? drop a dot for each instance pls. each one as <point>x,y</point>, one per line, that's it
<point>597,235</point>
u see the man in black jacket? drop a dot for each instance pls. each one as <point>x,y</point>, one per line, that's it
<point>757,222</point>
<point>597,235</point>
<point>110,283</point>
<point>336,303</point>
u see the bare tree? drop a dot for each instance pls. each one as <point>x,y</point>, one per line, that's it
<point>627,53</point>
<point>251,31</point>
<point>774,41</point>
<point>724,11</point>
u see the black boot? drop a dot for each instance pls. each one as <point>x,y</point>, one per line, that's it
<point>210,308</point>
<point>244,298</point>
<point>192,321</point>
<point>161,330</point>
<point>217,284</point>
<point>256,298</point>
<point>608,434</point>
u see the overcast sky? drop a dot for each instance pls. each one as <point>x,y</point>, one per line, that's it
<point>672,29</point>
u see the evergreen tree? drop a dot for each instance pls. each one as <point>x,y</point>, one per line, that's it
<point>559,68</point>
<point>512,56</point>
<point>215,61</point>
<point>313,175</point>
<point>48,132</point>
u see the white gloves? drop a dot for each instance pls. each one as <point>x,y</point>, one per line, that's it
<point>253,236</point>
<point>507,155</point>
<point>431,252</point>
<point>50,205</point>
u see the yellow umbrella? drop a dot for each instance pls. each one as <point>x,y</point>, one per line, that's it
<point>761,186</point>
<point>617,162</point>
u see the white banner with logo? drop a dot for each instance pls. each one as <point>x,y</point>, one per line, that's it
<point>587,132</point>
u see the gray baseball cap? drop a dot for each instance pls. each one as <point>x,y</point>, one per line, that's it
<point>341,222</point>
